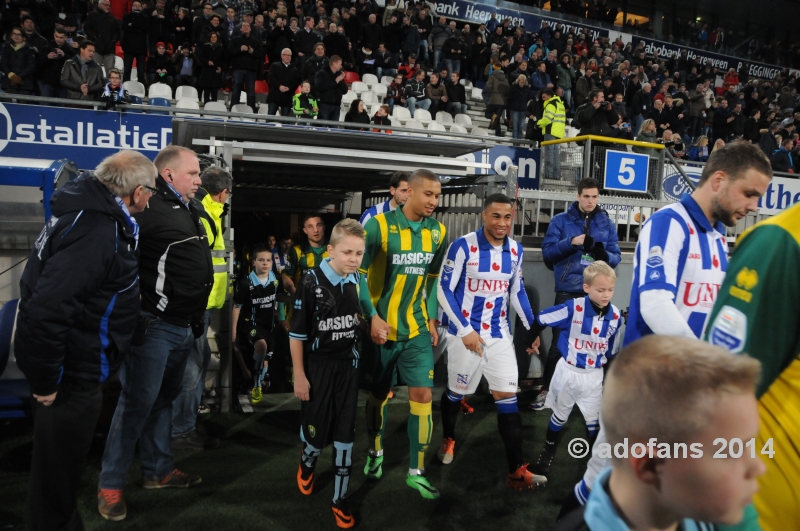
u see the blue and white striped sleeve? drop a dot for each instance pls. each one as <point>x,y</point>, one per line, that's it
<point>559,316</point>
<point>450,276</point>
<point>661,253</point>
<point>518,296</point>
<point>368,213</point>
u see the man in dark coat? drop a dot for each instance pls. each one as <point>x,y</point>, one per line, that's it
<point>50,64</point>
<point>330,87</point>
<point>134,41</point>
<point>283,81</point>
<point>77,314</point>
<point>245,56</point>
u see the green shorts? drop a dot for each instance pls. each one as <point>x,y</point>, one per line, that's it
<point>412,358</point>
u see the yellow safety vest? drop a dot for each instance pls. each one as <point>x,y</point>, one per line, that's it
<point>555,117</point>
<point>219,257</point>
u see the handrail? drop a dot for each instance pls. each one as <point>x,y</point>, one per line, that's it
<point>255,117</point>
<point>603,139</point>
<point>686,178</point>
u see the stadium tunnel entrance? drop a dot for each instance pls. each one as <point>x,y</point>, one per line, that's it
<point>282,172</point>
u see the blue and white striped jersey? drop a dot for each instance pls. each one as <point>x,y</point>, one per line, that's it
<point>587,341</point>
<point>374,210</point>
<point>680,252</point>
<point>476,282</point>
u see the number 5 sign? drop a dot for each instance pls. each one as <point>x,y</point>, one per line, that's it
<point>626,172</point>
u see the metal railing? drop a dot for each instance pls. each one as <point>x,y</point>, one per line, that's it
<point>234,117</point>
<point>588,160</point>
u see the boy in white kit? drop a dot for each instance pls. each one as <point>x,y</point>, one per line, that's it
<point>588,340</point>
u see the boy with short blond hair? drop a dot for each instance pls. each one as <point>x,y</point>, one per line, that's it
<point>663,487</point>
<point>323,340</point>
<point>588,339</point>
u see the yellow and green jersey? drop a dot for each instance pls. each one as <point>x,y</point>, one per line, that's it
<point>303,259</point>
<point>758,312</point>
<point>401,262</point>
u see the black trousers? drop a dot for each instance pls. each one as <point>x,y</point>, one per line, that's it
<point>553,354</point>
<point>63,435</point>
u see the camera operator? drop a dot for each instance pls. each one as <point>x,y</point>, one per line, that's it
<point>596,117</point>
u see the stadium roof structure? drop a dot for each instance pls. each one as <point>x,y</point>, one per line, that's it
<point>285,167</point>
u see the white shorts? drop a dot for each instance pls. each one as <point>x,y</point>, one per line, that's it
<point>465,368</point>
<point>571,385</point>
<point>441,347</point>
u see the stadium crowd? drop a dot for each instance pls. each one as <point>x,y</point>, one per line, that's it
<point>234,45</point>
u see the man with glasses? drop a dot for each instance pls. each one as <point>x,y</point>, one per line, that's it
<point>176,276</point>
<point>212,197</point>
<point>77,312</point>
<point>18,65</point>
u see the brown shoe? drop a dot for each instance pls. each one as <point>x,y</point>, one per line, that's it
<point>111,505</point>
<point>174,480</point>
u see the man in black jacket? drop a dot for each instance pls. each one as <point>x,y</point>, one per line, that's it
<point>330,88</point>
<point>596,117</point>
<point>641,104</point>
<point>134,41</point>
<point>176,275</point>
<point>315,63</point>
<point>283,81</point>
<point>103,29</point>
<point>77,312</point>
<point>245,56</point>
<point>304,41</point>
<point>50,64</point>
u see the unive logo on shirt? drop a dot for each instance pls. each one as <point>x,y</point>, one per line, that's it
<point>487,287</point>
<point>700,294</point>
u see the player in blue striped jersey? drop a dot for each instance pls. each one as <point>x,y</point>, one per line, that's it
<point>398,189</point>
<point>681,258</point>
<point>480,276</point>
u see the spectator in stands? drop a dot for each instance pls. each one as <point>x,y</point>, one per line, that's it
<point>336,43</point>
<point>479,54</point>
<point>411,38</point>
<point>583,86</point>
<point>173,250</point>
<point>17,64</point>
<point>186,66</point>
<point>596,117</point>
<point>373,33</point>
<point>767,142</point>
<point>33,38</point>
<point>230,22</point>
<point>65,345</point>
<point>553,125</point>
<point>565,74</point>
<point>415,95</point>
<point>409,69</point>
<point>454,49</point>
<point>201,22</point>
<point>382,118</point>
<point>519,94</point>
<point>283,81</point>
<point>395,93</point>
<point>385,64</point>
<point>303,104</point>
<point>699,151</point>
<point>641,106</point>
<point>697,106</point>
<point>659,116</point>
<point>181,28</point>
<point>160,25</point>
<point>330,86</point>
<point>51,63</point>
<point>81,76</point>
<point>647,133</point>
<point>751,129</point>
<point>135,27</point>
<point>211,57</point>
<point>214,25</point>
<point>357,114</point>
<point>436,92</point>
<point>103,29</point>
<point>456,95</point>
<point>783,158</point>
<point>159,66</point>
<point>619,107</point>
<point>114,92</point>
<point>245,56</point>
<point>540,79</point>
<point>738,123</point>
<point>304,41</point>
<point>314,64</point>
<point>364,60</point>
<point>721,125</point>
<point>497,89</point>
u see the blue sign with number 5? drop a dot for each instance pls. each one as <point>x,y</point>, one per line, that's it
<point>626,172</point>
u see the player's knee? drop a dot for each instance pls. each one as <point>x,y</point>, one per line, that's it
<point>506,405</point>
<point>261,346</point>
<point>423,395</point>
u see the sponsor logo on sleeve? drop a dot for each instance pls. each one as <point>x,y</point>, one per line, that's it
<point>729,329</point>
<point>655,257</point>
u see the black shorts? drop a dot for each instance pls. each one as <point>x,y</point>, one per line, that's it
<point>247,337</point>
<point>330,415</point>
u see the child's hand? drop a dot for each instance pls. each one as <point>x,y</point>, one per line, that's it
<point>534,347</point>
<point>302,388</point>
<point>379,330</point>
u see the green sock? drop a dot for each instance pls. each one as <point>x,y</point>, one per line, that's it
<point>376,421</point>
<point>420,429</point>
